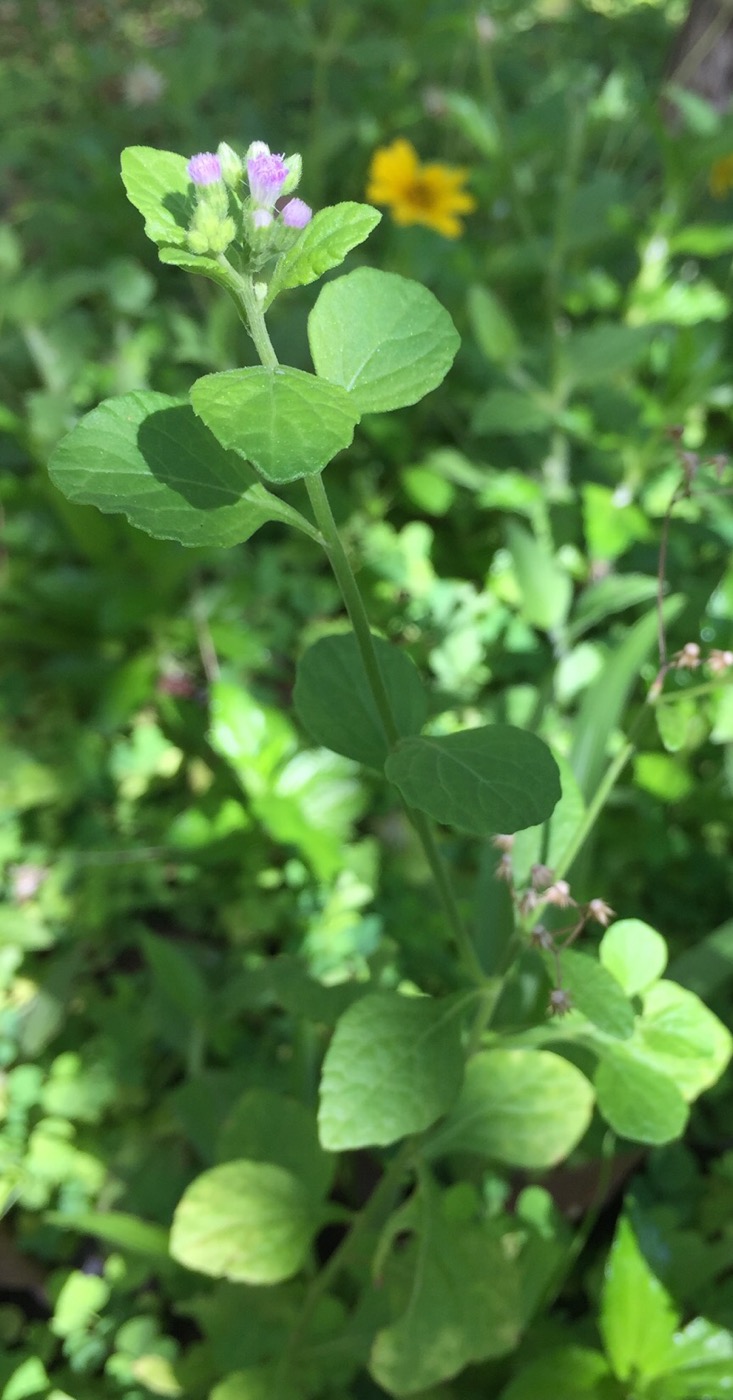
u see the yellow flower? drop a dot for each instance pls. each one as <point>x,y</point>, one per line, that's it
<point>432,195</point>
<point>720,179</point>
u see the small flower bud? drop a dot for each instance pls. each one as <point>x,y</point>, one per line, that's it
<point>541,876</point>
<point>26,880</point>
<point>261,218</point>
<point>688,659</point>
<point>502,843</point>
<point>204,169</point>
<point>719,661</point>
<point>600,911</point>
<point>541,937</point>
<point>529,901</point>
<point>231,166</point>
<point>561,1002</point>
<point>296,213</point>
<point>294,167</point>
<point>558,894</point>
<point>486,30</point>
<point>504,870</point>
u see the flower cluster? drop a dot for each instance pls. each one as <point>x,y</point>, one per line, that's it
<point>259,224</point>
<point>542,890</point>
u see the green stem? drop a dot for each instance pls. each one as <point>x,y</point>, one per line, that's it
<point>495,101</point>
<point>369,1220</point>
<point>354,603</point>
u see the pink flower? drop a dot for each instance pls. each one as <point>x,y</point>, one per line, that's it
<point>561,1002</point>
<point>559,894</point>
<point>296,213</point>
<point>204,169</point>
<point>266,174</point>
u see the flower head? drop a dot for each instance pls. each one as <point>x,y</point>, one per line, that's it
<point>561,1002</point>
<point>720,178</point>
<point>296,213</point>
<point>204,169</point>
<point>432,195</point>
<point>600,911</point>
<point>266,173</point>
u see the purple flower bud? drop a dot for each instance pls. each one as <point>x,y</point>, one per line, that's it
<point>204,169</point>
<point>266,174</point>
<point>261,218</point>
<point>296,213</point>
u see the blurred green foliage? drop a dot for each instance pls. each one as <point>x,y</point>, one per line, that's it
<point>186,912</point>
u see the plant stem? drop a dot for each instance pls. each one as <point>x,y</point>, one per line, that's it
<point>371,1218</point>
<point>354,603</point>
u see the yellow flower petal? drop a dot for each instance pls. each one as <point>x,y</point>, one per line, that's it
<point>431,195</point>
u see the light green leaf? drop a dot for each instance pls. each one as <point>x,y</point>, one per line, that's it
<point>82,1296</point>
<point>384,338</point>
<point>549,842</point>
<point>157,183</point>
<point>285,422</point>
<point>116,1228</point>
<point>679,724</point>
<point>267,1127</point>
<point>256,1383</point>
<point>545,587</point>
<point>610,595</point>
<point>334,701</point>
<point>582,1373</point>
<point>681,1038</point>
<point>494,778</point>
<point>524,1108</point>
<point>493,329</point>
<point>198,263</point>
<point>637,1100</point>
<point>596,994</point>
<point>638,1318</point>
<point>323,244</point>
<point>394,1065</point>
<point>700,1364</point>
<point>249,1222</point>
<point>147,456</point>
<point>454,1288</point>
<point>634,953</point>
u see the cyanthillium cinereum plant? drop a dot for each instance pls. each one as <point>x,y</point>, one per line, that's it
<point>459,1073</point>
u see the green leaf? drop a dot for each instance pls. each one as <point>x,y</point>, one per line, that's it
<point>287,423</point>
<point>610,595</point>
<point>493,329</point>
<point>565,1373</point>
<point>524,1108</point>
<point>384,338</point>
<point>638,1318</point>
<point>546,588</point>
<point>116,1228</point>
<point>323,244</point>
<point>604,702</point>
<point>593,356</point>
<point>596,994</point>
<point>550,842</point>
<point>267,1127</point>
<point>679,1036</point>
<point>250,1222</point>
<point>334,701</point>
<point>455,1290</point>
<point>494,778</point>
<point>678,724</point>
<point>700,1364</point>
<point>146,456</point>
<point>198,263</point>
<point>636,1100</point>
<point>634,953</point>
<point>157,183</point>
<point>256,1383</point>
<point>394,1065</point>
<point>510,412</point>
<point>81,1297</point>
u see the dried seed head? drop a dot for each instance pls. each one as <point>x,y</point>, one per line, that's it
<point>561,1002</point>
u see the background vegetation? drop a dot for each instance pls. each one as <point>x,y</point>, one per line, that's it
<point>167,880</point>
